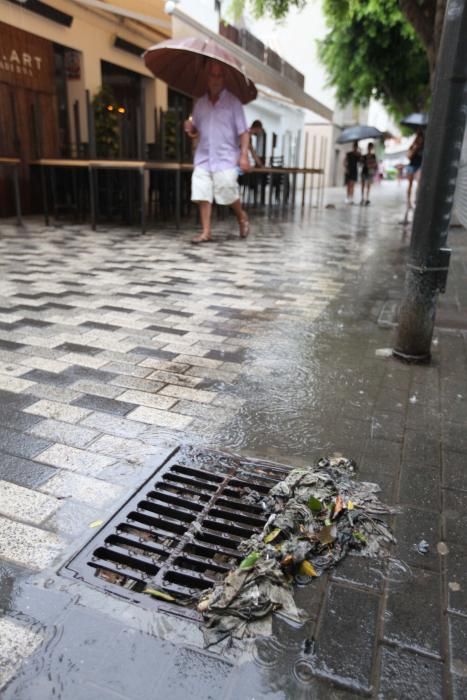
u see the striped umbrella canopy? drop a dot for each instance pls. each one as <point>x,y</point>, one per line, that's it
<point>183,63</point>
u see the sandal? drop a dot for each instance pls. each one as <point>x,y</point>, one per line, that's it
<point>244,227</point>
<point>202,238</point>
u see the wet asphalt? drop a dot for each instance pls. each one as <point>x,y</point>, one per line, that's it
<point>289,335</point>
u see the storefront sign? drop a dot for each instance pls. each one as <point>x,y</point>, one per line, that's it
<point>73,65</point>
<point>25,59</point>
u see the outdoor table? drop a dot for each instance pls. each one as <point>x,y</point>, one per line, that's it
<point>14,163</point>
<point>140,166</point>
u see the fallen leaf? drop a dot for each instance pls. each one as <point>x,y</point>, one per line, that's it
<point>96,523</point>
<point>314,505</point>
<point>287,560</point>
<point>359,536</point>
<point>250,560</point>
<point>339,505</point>
<point>307,569</point>
<point>159,594</point>
<point>272,535</point>
<point>350,505</point>
<point>442,548</point>
<point>327,534</point>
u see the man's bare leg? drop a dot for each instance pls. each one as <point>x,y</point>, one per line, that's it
<point>242,218</point>
<point>205,209</point>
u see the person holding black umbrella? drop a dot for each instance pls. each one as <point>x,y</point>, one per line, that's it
<point>352,159</point>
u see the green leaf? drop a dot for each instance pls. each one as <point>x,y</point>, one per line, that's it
<point>250,560</point>
<point>359,536</point>
<point>315,505</point>
<point>272,535</point>
<point>159,594</point>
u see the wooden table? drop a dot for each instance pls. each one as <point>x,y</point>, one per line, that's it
<point>140,166</point>
<point>14,163</point>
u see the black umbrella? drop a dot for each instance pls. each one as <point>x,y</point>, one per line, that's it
<point>415,120</point>
<point>356,133</point>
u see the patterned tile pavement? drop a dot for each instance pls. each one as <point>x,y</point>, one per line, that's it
<point>116,347</point>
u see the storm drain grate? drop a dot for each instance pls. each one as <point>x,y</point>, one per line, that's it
<point>180,532</point>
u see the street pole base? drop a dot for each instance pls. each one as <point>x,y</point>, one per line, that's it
<point>411,359</point>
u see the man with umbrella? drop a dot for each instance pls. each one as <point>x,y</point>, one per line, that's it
<point>220,124</point>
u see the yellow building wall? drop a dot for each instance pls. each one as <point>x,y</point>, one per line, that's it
<point>92,33</point>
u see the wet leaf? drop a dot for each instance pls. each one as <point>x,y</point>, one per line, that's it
<point>307,569</point>
<point>250,560</point>
<point>287,560</point>
<point>327,534</point>
<point>314,505</point>
<point>350,505</point>
<point>339,505</point>
<point>159,594</point>
<point>359,536</point>
<point>272,535</point>
<point>96,523</point>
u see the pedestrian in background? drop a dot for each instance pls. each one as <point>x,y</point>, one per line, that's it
<point>415,156</point>
<point>351,162</point>
<point>220,124</point>
<point>369,171</point>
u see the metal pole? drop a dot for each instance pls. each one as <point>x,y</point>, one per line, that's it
<point>323,174</point>
<point>91,126</point>
<point>312,178</point>
<point>428,264</point>
<point>305,165</point>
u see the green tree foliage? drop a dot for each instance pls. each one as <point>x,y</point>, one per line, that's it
<point>372,51</point>
<point>375,48</point>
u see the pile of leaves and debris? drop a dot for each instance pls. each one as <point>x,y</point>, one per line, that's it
<point>317,514</point>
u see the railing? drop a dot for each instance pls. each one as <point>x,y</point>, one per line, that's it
<point>256,48</point>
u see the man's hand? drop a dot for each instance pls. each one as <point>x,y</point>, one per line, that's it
<point>189,129</point>
<point>244,163</point>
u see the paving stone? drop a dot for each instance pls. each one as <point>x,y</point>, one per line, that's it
<point>455,516</point>
<point>143,398</point>
<point>454,434</point>
<point>53,393</point>
<point>420,487</point>
<point>74,459</point>
<point>112,425</point>
<point>65,433</point>
<point>17,641</point>
<point>25,504</point>
<point>167,366</point>
<point>94,492</point>
<point>18,420</point>
<point>26,545</point>
<point>99,403</point>
<point>421,450</point>
<point>355,665</point>
<point>107,391</point>
<point>454,470</point>
<point>58,411</point>
<point>458,643</point>
<point>360,571</point>
<point>411,527</point>
<point>15,401</point>
<point>381,456</point>
<point>173,378</point>
<point>182,392</point>
<point>23,471</point>
<point>414,613</point>
<point>456,579</point>
<point>40,376</point>
<point>408,675</point>
<point>167,419</point>
<point>14,384</point>
<point>21,444</point>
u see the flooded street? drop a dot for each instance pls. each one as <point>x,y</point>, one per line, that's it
<point>116,348</point>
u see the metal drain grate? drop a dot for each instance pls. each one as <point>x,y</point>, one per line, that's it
<point>179,533</point>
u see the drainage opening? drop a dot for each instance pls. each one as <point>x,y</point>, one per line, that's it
<point>179,533</point>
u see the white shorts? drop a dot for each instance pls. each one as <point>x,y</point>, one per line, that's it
<point>221,186</point>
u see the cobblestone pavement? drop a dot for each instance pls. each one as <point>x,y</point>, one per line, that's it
<point>116,348</point>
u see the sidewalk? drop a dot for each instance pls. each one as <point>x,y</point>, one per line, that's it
<point>117,348</point>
